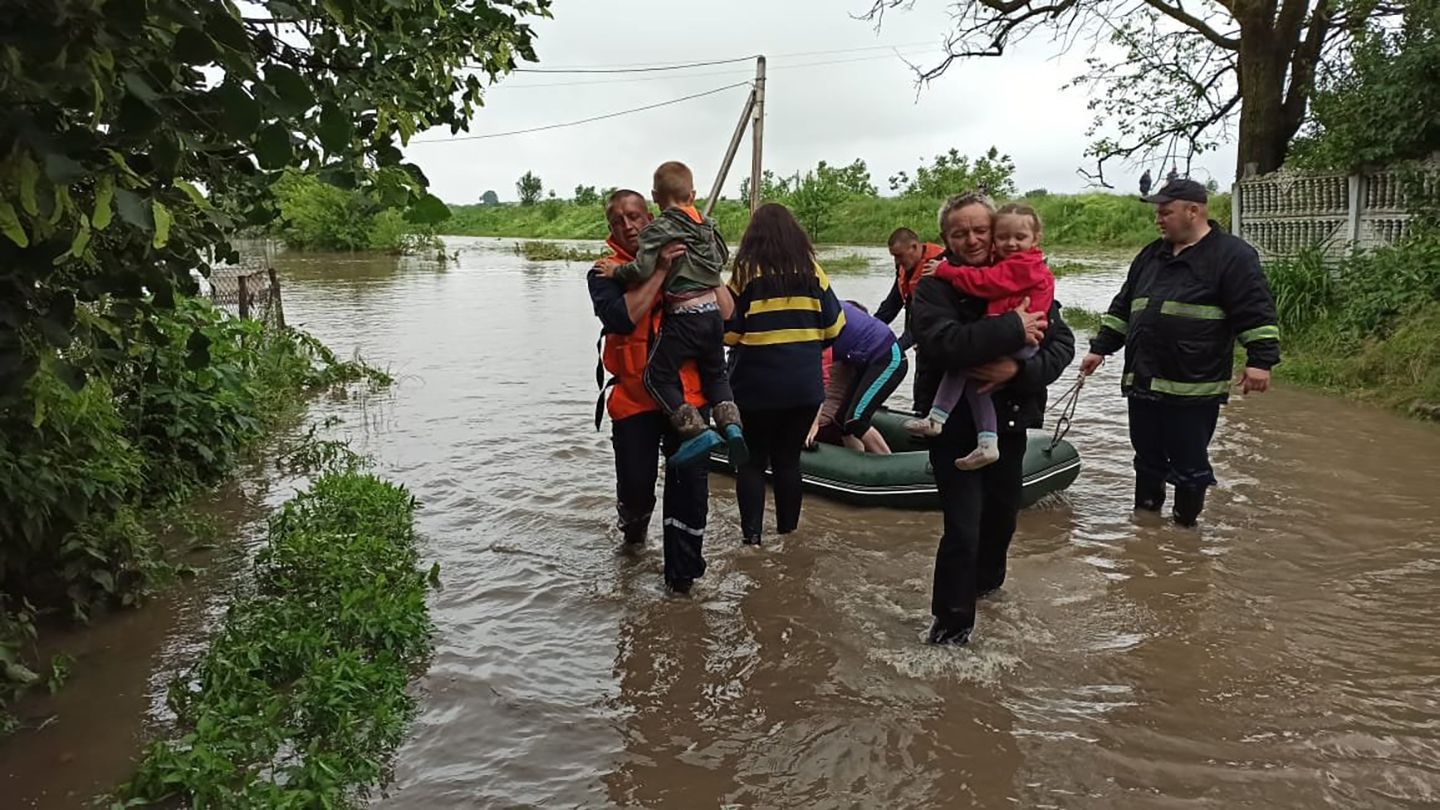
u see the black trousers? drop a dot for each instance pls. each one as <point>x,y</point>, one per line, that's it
<point>698,336</point>
<point>638,441</point>
<point>870,389</point>
<point>775,439</point>
<point>1172,440</point>
<point>926,382</point>
<point>980,508</point>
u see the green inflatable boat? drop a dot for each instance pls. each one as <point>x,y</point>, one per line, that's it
<point>903,480</point>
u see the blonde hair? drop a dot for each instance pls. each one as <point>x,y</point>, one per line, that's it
<point>1023,210</point>
<point>673,183</point>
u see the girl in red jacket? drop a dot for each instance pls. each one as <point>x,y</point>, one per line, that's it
<point>1019,273</point>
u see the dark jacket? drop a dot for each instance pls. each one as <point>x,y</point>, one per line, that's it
<point>953,334</point>
<point>776,337</point>
<point>698,268</point>
<point>1178,318</point>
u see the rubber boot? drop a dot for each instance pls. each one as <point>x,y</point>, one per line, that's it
<point>1189,503</point>
<point>633,527</point>
<point>1149,494</point>
<point>727,419</point>
<point>696,448</point>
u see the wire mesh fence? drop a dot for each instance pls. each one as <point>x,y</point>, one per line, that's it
<point>249,293</point>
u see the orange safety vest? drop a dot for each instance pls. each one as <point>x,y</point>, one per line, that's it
<point>907,279</point>
<point>625,356</point>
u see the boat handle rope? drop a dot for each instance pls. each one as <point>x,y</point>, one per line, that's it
<point>1066,403</point>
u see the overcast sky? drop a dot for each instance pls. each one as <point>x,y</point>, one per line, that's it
<point>865,107</point>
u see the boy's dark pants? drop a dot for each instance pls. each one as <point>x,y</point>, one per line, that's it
<point>698,336</point>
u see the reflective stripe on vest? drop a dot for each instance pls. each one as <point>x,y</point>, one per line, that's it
<point>1260,333</point>
<point>1204,312</point>
<point>1181,389</point>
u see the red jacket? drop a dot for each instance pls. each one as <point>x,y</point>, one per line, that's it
<point>1006,283</point>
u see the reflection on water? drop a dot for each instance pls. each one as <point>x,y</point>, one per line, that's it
<point>1282,656</point>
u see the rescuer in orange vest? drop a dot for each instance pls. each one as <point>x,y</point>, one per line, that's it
<point>911,255</point>
<point>639,430</point>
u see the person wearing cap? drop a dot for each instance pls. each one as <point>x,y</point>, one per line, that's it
<point>1188,297</point>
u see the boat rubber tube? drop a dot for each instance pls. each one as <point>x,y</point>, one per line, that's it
<point>904,479</point>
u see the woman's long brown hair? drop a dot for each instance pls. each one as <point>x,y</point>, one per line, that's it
<point>775,250</point>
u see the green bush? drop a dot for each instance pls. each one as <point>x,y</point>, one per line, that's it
<point>80,470</point>
<point>301,697</point>
<point>1369,327</point>
<point>315,215</point>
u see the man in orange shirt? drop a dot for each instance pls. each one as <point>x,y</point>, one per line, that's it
<point>639,429</point>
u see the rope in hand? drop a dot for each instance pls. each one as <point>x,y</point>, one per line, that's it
<point>1066,403</point>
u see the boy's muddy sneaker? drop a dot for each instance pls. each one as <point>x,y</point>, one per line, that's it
<point>925,428</point>
<point>727,418</point>
<point>696,448</point>
<point>688,422</point>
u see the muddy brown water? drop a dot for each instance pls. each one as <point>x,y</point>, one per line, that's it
<point>1283,656</point>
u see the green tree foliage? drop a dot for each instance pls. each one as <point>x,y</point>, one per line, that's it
<point>1383,106</point>
<point>490,198</point>
<point>319,216</point>
<point>853,179</point>
<point>953,173</point>
<point>814,199</point>
<point>529,188</point>
<point>137,135</point>
<point>586,195</point>
<point>772,188</point>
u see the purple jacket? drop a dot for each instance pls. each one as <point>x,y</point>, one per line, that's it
<point>865,338</point>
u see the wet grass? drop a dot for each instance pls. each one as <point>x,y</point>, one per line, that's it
<point>1081,320</point>
<point>1366,327</point>
<point>552,252</point>
<point>302,696</point>
<point>849,263</point>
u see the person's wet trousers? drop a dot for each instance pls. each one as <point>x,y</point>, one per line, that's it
<point>775,438</point>
<point>638,441</point>
<point>979,508</point>
<point>1172,445</point>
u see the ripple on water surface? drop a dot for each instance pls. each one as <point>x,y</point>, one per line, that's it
<point>1279,657</point>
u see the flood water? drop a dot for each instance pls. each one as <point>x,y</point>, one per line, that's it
<point>1285,655</point>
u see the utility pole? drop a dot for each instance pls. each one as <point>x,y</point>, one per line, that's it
<point>754,109</point>
<point>757,134</point>
<point>730,153</point>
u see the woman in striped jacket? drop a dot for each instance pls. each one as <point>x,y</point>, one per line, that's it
<point>785,315</point>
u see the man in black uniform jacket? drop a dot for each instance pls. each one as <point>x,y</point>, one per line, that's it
<point>1187,298</point>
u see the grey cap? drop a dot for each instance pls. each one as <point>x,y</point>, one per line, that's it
<point>1179,189</point>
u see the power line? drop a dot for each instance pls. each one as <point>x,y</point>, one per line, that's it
<point>586,120</point>
<point>651,67</point>
<point>523,86</point>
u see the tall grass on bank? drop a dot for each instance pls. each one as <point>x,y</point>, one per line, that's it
<point>84,472</point>
<point>1367,327</point>
<point>1094,220</point>
<point>301,698</point>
